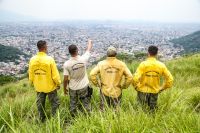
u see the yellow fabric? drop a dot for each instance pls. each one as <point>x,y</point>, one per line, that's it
<point>110,72</point>
<point>43,73</point>
<point>148,76</point>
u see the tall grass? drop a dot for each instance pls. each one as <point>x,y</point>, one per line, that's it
<point>178,108</point>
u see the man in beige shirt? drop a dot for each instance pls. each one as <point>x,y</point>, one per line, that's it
<point>76,75</point>
<point>110,72</point>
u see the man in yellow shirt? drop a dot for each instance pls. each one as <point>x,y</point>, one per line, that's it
<point>43,74</point>
<point>111,72</point>
<point>147,79</point>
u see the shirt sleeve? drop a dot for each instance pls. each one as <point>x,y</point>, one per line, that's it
<point>128,77</point>
<point>30,72</point>
<point>86,56</point>
<point>55,73</point>
<point>65,70</point>
<point>168,79</point>
<point>93,75</point>
<point>138,74</point>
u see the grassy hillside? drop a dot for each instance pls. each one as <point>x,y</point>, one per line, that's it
<point>6,79</point>
<point>190,43</point>
<point>179,108</point>
<point>9,54</point>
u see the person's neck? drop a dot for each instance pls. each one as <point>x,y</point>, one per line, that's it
<point>42,51</point>
<point>151,56</point>
<point>74,56</point>
<point>111,57</point>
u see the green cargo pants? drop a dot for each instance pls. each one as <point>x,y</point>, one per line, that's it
<point>147,99</point>
<point>53,99</point>
<point>111,102</point>
<point>79,99</point>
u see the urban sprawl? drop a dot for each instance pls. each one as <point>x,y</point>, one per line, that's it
<point>127,38</point>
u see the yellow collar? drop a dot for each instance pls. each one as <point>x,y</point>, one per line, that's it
<point>151,58</point>
<point>41,53</point>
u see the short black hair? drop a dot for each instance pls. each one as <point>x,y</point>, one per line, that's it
<point>73,49</point>
<point>153,50</point>
<point>41,44</point>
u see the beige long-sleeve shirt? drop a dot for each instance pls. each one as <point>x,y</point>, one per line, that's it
<point>111,72</point>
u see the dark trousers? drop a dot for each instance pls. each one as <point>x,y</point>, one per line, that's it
<point>148,99</point>
<point>53,99</point>
<point>109,101</point>
<point>79,98</point>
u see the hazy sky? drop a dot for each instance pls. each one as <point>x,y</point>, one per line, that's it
<point>149,10</point>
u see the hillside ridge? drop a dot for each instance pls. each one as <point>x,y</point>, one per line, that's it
<point>190,43</point>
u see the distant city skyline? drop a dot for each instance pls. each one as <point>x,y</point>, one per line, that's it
<point>186,11</point>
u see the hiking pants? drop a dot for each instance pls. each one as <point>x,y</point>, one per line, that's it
<point>111,102</point>
<point>79,99</point>
<point>147,99</point>
<point>53,99</point>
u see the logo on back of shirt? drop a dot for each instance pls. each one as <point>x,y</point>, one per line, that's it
<point>112,70</point>
<point>78,66</point>
<point>39,72</point>
<point>78,71</point>
<point>40,68</point>
<point>152,74</point>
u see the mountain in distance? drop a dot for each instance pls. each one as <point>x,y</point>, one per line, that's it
<point>7,16</point>
<point>190,43</point>
<point>8,53</point>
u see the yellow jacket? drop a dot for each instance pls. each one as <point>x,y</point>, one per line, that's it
<point>111,72</point>
<point>43,73</point>
<point>148,75</point>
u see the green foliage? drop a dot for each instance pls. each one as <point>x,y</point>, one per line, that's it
<point>140,55</point>
<point>194,100</point>
<point>178,108</point>
<point>190,43</point>
<point>6,79</point>
<point>9,54</point>
<point>128,58</point>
